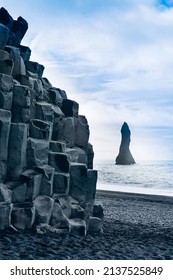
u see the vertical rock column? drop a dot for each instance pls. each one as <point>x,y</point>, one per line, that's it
<point>5,123</point>
<point>6,91</point>
<point>4,34</point>
<point>46,161</point>
<point>17,150</point>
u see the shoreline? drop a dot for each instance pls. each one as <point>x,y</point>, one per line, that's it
<point>133,189</point>
<point>135,227</point>
<point>144,196</point>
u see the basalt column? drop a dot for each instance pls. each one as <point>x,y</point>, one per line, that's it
<point>47,181</point>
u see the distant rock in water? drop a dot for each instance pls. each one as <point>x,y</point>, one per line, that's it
<point>125,157</point>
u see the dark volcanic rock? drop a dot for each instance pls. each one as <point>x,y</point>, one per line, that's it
<point>46,160</point>
<point>4,34</point>
<point>125,157</point>
<point>18,30</point>
<point>23,215</point>
<point>5,18</point>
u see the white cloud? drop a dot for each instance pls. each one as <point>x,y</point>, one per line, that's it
<point>116,62</point>
<point>134,45</point>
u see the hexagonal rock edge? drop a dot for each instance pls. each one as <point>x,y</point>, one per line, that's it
<point>47,179</point>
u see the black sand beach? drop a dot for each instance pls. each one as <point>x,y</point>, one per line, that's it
<point>136,226</point>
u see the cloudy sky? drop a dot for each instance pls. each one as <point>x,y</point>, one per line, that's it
<point>115,58</point>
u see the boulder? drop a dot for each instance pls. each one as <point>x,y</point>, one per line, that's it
<point>78,181</point>
<point>61,183</point>
<point>17,150</point>
<point>33,180</point>
<point>98,211</point>
<point>5,123</point>
<point>23,215</point>
<point>45,228</point>
<point>5,194</point>
<point>58,219</point>
<point>37,152</point>
<point>125,157</point>
<point>82,132</point>
<point>95,225</point>
<point>40,129</point>
<point>4,35</point>
<point>44,207</point>
<point>5,215</point>
<point>47,172</point>
<point>77,227</point>
<point>70,108</point>
<point>60,161</point>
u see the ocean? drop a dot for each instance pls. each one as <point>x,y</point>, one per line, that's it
<point>146,177</point>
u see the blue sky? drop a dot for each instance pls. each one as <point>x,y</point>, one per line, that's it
<point>115,58</point>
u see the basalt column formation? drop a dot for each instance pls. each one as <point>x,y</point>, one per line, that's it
<point>47,181</point>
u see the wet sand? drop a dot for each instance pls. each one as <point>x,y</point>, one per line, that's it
<point>136,226</point>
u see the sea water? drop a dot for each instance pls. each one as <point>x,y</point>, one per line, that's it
<point>148,177</point>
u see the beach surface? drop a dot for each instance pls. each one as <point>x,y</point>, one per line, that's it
<point>136,226</point>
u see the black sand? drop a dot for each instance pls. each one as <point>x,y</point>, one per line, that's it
<point>135,227</point>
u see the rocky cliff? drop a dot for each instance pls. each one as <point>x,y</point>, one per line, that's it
<point>47,179</point>
<point>125,157</point>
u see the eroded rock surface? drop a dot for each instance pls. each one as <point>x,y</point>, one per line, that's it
<point>125,157</point>
<point>47,179</point>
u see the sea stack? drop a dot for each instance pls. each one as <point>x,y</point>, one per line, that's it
<point>125,157</point>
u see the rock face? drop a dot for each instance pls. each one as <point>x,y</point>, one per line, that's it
<point>47,179</point>
<point>125,157</point>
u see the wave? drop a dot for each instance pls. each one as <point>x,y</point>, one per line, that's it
<point>144,177</point>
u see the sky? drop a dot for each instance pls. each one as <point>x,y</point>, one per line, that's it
<point>115,58</point>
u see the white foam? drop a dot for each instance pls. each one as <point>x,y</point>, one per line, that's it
<point>133,189</point>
